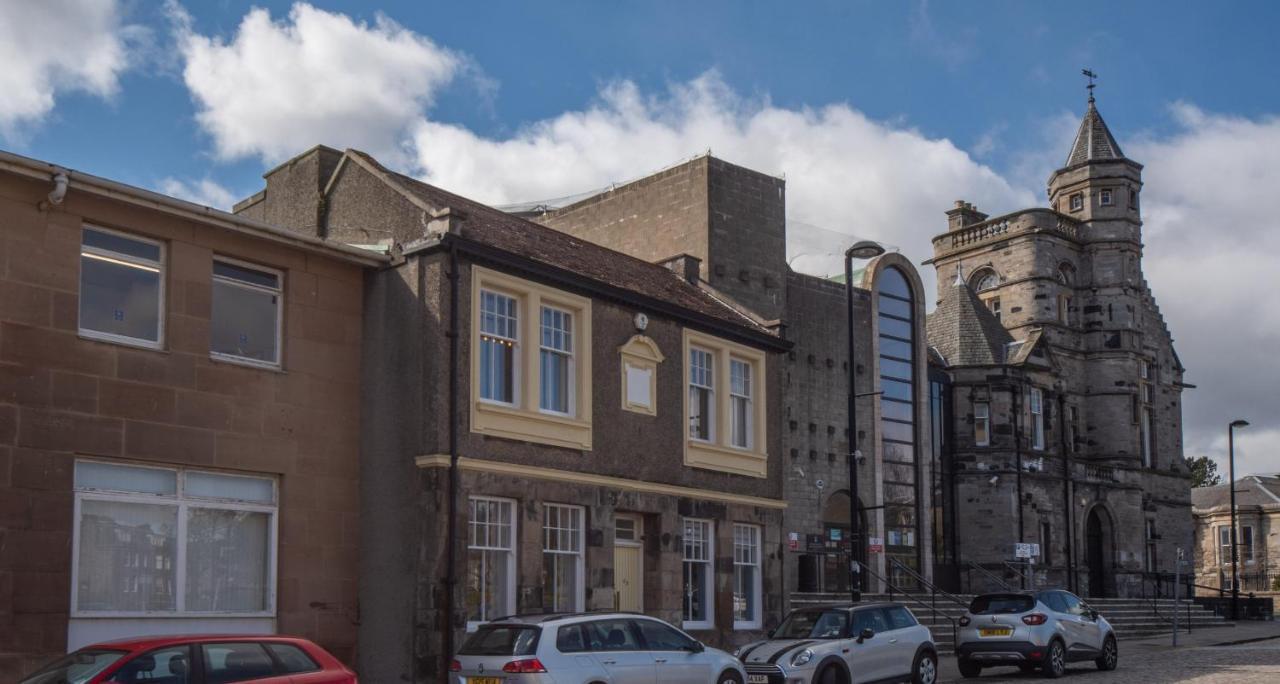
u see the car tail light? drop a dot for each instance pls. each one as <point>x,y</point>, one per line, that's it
<point>964,621</point>
<point>1035,618</point>
<point>528,666</point>
<point>455,666</point>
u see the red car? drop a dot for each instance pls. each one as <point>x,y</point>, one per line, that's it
<point>200,659</point>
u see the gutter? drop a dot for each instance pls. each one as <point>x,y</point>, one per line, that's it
<point>128,194</point>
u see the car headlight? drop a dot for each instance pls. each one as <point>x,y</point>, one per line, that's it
<point>737,652</point>
<point>802,658</point>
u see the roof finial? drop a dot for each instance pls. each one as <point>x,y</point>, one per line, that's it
<point>959,275</point>
<point>1091,85</point>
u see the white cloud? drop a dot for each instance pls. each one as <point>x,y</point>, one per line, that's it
<point>52,47</point>
<point>204,191</point>
<point>279,87</point>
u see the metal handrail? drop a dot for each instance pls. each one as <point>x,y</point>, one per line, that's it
<point>991,575</point>
<point>955,630</point>
<point>1031,581</point>
<point>933,588</point>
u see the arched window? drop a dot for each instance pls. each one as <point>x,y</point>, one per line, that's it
<point>984,279</point>
<point>1067,274</point>
<point>896,316</point>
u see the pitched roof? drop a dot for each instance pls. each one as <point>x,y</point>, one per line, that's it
<point>1094,140</point>
<point>964,331</point>
<point>495,228</point>
<point>1251,490</point>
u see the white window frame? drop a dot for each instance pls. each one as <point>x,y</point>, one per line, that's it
<point>514,342</point>
<point>708,574</point>
<point>1036,400</point>
<point>1224,544</point>
<point>982,416</point>
<point>710,389</point>
<point>753,546</point>
<point>578,554</point>
<point>183,503</point>
<point>124,260</point>
<point>1246,558</point>
<point>569,355</point>
<point>735,397</point>
<point>512,580</point>
<point>1075,202</point>
<point>278,291</point>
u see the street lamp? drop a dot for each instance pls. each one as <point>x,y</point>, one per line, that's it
<point>1231,481</point>
<point>864,249</point>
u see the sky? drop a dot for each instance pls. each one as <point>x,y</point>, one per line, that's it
<point>879,115</point>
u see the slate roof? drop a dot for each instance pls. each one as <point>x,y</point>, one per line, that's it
<point>1251,490</point>
<point>495,228</point>
<point>964,331</point>
<point>1094,140</point>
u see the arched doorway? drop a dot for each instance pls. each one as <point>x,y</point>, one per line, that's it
<point>840,540</point>
<point>1098,549</point>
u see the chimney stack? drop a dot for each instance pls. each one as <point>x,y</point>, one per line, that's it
<point>686,266</point>
<point>964,215</point>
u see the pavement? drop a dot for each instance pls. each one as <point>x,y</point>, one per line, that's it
<point>1248,653</point>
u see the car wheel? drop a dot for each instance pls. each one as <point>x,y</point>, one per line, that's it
<point>1110,657</point>
<point>829,675</point>
<point>969,669</point>
<point>925,670</point>
<point>1055,661</point>
<point>729,677</point>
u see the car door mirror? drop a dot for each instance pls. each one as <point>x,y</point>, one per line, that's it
<point>695,647</point>
<point>866,634</point>
<point>1093,614</point>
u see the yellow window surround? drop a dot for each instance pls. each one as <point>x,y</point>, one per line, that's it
<point>523,419</point>
<point>718,454</point>
<point>640,359</point>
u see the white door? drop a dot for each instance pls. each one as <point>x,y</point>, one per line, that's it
<point>872,660</point>
<point>676,657</point>
<point>616,646</point>
<point>628,564</point>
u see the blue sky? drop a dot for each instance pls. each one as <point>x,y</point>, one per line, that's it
<point>878,115</point>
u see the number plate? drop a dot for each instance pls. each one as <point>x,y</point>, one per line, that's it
<point>757,679</point>
<point>484,680</point>
<point>994,631</point>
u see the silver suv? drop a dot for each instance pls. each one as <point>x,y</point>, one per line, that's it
<point>1035,631</point>
<point>876,642</point>
<point>621,648</point>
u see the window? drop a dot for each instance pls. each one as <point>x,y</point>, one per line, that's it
<point>1064,309</point>
<point>985,279</point>
<point>993,304</point>
<point>1104,197</point>
<point>1246,543</point>
<point>563,588</point>
<point>557,360</point>
<point>503,640</point>
<point>699,595</point>
<point>611,635</point>
<point>746,577</point>
<point>1224,545</point>
<point>167,541</point>
<point>1073,417</point>
<point>869,618</point>
<point>1077,202</point>
<point>235,662</point>
<point>740,411</point>
<point>499,335</point>
<point>245,323</point>
<point>1133,199</point>
<point>1144,435</point>
<point>170,665</point>
<point>1150,537</point>
<point>982,424</point>
<point>292,658</point>
<point>662,637</point>
<point>121,287</point>
<point>1037,418</point>
<point>899,617</point>
<point>701,394</point>
<point>491,560</point>
<point>1046,540</point>
<point>895,316</point>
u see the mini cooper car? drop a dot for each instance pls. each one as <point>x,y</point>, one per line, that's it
<point>584,648</point>
<point>849,644</point>
<point>1043,630</point>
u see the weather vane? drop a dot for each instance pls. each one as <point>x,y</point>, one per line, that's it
<point>1091,85</point>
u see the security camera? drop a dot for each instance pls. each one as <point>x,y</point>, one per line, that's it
<point>994,479</point>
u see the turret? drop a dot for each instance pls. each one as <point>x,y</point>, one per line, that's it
<point>1098,184</point>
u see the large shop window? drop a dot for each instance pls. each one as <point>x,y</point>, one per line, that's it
<point>563,586</point>
<point>491,560</point>
<point>169,541</point>
<point>746,577</point>
<point>121,287</point>
<point>895,317</point>
<point>699,591</point>
<point>531,361</point>
<point>724,406</point>
<point>246,316</point>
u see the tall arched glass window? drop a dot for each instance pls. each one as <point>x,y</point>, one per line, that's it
<point>896,315</point>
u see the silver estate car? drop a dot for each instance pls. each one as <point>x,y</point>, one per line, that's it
<point>585,648</point>
<point>1035,631</point>
<point>853,644</point>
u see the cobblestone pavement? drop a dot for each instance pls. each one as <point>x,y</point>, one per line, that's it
<point>1253,663</point>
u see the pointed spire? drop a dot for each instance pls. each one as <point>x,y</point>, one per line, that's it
<point>1094,140</point>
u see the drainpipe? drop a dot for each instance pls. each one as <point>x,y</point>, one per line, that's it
<point>1066,491</point>
<point>1015,396</point>
<point>451,579</point>
<point>59,192</point>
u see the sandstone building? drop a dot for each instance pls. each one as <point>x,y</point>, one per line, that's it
<point>1257,535</point>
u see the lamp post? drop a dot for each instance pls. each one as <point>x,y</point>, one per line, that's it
<point>1231,482</point>
<point>864,249</point>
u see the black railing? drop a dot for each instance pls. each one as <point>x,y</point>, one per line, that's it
<point>955,633</point>
<point>989,575</point>
<point>1022,578</point>
<point>933,589</point>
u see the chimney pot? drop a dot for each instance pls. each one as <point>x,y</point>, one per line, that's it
<point>686,266</point>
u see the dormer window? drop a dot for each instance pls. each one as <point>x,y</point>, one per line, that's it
<point>1077,202</point>
<point>1104,198</point>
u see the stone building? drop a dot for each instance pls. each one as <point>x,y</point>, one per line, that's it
<point>179,420</point>
<point>1064,386</point>
<point>1257,535</point>
<point>733,220</point>
<point>550,425</point>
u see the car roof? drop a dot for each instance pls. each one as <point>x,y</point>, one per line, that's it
<point>851,606</point>
<point>142,643</point>
<point>546,618</point>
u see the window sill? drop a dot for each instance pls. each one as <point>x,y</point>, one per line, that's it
<point>134,614</point>
<point>120,340</point>
<point>747,626</point>
<point>733,460</point>
<point>498,420</point>
<point>245,363</point>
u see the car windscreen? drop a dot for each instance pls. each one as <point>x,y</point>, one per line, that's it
<point>1002,604</point>
<point>813,624</point>
<point>502,640</point>
<point>75,668</point>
